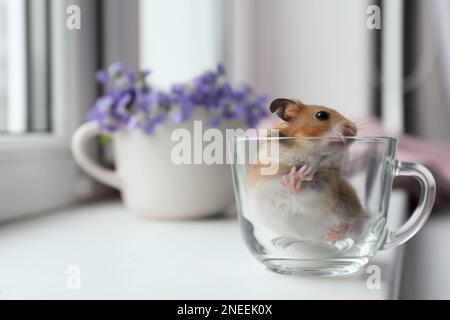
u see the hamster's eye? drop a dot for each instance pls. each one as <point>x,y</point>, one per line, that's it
<point>322,115</point>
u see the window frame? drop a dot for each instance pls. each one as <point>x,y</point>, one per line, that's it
<point>37,172</point>
<point>16,75</point>
<point>392,59</point>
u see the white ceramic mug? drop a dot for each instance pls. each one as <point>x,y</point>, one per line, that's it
<point>151,184</point>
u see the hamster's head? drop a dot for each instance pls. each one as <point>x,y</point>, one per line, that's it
<point>301,120</point>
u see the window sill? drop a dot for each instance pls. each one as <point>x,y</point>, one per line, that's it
<point>38,174</point>
<point>122,256</point>
<point>28,147</point>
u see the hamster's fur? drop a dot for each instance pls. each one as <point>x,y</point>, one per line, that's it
<point>308,198</point>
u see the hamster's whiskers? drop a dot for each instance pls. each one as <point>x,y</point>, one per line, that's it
<point>342,138</point>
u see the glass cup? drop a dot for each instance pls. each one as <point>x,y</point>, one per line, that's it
<point>318,206</point>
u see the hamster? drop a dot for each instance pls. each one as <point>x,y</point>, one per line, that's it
<point>308,198</point>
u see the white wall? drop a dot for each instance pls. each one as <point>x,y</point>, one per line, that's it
<point>319,51</point>
<point>179,38</point>
<point>430,79</point>
<point>120,38</point>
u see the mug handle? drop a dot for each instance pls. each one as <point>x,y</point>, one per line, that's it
<point>79,147</point>
<point>423,210</point>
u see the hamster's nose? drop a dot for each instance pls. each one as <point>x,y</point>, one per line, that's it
<point>349,130</point>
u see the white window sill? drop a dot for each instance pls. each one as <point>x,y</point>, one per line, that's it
<point>122,256</point>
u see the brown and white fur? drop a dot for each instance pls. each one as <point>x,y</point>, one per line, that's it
<point>308,197</point>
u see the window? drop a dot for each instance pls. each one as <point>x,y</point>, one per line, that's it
<point>24,62</point>
<point>46,87</point>
<point>3,60</point>
<point>12,66</point>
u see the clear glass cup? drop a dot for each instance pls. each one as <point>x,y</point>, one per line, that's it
<point>318,206</point>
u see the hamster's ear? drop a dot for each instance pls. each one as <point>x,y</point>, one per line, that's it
<point>286,109</point>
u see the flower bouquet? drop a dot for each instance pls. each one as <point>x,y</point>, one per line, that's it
<point>131,102</point>
<point>141,121</point>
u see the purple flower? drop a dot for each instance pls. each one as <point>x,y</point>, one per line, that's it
<point>206,78</point>
<point>137,120</point>
<point>132,75</point>
<point>122,83</point>
<point>242,93</point>
<point>115,69</point>
<point>123,106</point>
<point>131,102</point>
<point>163,99</point>
<point>221,69</point>
<point>226,109</point>
<point>144,74</point>
<point>105,103</point>
<point>213,122</point>
<point>142,101</point>
<point>152,122</point>
<point>102,77</point>
<point>181,112</point>
<point>254,111</point>
<point>178,90</point>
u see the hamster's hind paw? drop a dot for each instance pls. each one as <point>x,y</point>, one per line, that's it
<point>334,234</point>
<point>292,182</point>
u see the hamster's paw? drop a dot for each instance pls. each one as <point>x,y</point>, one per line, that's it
<point>292,182</point>
<point>334,234</point>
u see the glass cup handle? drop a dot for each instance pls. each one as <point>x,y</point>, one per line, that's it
<point>423,210</point>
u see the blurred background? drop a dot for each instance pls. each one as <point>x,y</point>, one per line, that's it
<point>394,77</point>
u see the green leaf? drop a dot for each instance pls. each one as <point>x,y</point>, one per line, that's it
<point>104,139</point>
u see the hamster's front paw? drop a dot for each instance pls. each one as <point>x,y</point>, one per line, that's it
<point>292,182</point>
<point>334,234</point>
